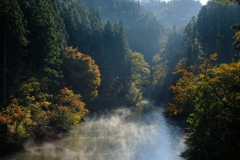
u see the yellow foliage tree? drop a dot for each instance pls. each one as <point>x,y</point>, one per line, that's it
<point>70,109</point>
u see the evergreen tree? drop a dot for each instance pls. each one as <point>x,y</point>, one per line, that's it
<point>47,38</point>
<point>141,27</point>
<point>164,64</point>
<point>215,34</point>
<point>115,64</point>
<point>190,46</point>
<point>13,34</point>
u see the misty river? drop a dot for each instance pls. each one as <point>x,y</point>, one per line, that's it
<point>140,133</point>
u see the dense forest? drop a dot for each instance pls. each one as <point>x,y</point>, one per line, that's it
<point>61,59</point>
<point>174,12</point>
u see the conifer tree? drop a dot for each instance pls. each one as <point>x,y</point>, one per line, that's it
<point>13,38</point>
<point>47,38</point>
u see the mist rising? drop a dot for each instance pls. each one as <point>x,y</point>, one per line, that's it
<point>125,134</point>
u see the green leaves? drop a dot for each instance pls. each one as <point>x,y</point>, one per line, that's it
<point>209,96</point>
<point>47,38</point>
<point>140,77</point>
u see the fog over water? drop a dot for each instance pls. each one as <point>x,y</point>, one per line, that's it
<point>141,133</point>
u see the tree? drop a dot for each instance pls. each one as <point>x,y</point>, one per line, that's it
<point>81,73</point>
<point>47,39</point>
<point>13,38</point>
<point>190,46</point>
<point>214,32</point>
<point>140,78</point>
<point>95,42</point>
<point>163,65</point>
<point>236,43</point>
<point>211,95</point>
<point>115,64</point>
<point>76,19</point>
<point>141,27</point>
<point>174,12</point>
<point>159,70</point>
<point>69,111</point>
<point>35,112</point>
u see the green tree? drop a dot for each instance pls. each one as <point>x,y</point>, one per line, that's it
<point>215,34</point>
<point>164,64</point>
<point>140,78</point>
<point>95,47</point>
<point>190,46</point>
<point>13,38</point>
<point>173,12</point>
<point>47,38</point>
<point>114,63</point>
<point>141,27</point>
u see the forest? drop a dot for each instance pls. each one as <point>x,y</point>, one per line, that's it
<point>62,60</point>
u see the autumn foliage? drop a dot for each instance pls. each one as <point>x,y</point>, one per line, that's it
<point>81,73</point>
<point>210,95</point>
<point>36,112</point>
<point>185,87</point>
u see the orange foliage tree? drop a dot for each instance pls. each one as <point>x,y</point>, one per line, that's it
<point>211,95</point>
<point>184,89</point>
<point>81,73</point>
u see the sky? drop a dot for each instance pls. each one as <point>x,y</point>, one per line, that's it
<point>204,2</point>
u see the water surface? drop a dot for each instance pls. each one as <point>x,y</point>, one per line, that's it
<point>125,134</point>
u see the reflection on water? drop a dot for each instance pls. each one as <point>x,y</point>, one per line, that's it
<point>125,134</point>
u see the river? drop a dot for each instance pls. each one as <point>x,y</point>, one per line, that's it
<point>140,133</point>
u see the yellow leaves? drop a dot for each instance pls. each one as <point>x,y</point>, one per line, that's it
<point>219,82</point>
<point>157,58</point>
<point>77,118</point>
<point>38,111</point>
<point>237,35</point>
<point>14,112</point>
<point>213,56</point>
<point>186,87</point>
<point>78,55</point>
<point>63,109</point>
<point>30,98</point>
<point>206,62</point>
<point>174,109</point>
<point>70,104</point>
<point>140,69</point>
<point>5,120</point>
<point>201,58</point>
<point>46,103</point>
<point>47,112</point>
<point>66,91</point>
<point>81,72</point>
<point>181,68</point>
<point>215,79</point>
<point>70,109</point>
<point>70,50</point>
<point>192,68</point>
<point>67,97</point>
